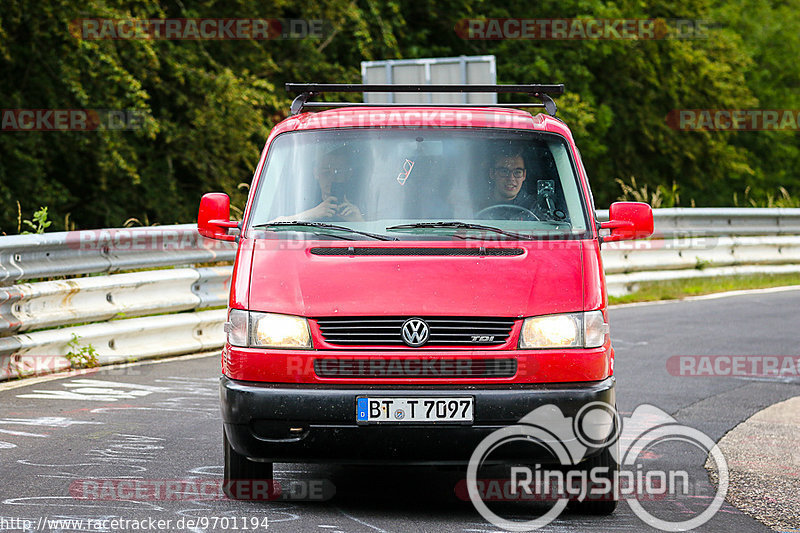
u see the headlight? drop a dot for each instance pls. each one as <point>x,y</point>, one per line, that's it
<point>279,331</point>
<point>572,330</point>
<point>270,330</point>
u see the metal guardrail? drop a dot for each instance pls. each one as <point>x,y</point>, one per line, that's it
<point>115,342</point>
<point>698,221</point>
<point>131,315</point>
<point>699,253</point>
<point>31,306</point>
<point>622,284</point>
<point>157,313</point>
<point>705,242</point>
<point>106,250</point>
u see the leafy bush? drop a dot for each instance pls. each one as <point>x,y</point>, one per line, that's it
<point>81,356</point>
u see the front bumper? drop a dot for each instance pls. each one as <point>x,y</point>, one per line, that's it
<point>316,423</point>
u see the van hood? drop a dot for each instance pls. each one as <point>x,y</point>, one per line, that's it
<point>546,277</point>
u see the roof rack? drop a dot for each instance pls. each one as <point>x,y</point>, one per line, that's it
<point>308,90</point>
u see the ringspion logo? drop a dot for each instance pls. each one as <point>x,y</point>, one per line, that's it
<point>568,439</point>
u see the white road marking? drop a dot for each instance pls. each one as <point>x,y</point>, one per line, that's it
<point>85,472</point>
<point>354,519</point>
<point>22,433</point>
<point>115,384</point>
<point>215,470</point>
<point>53,377</point>
<point>112,391</point>
<point>69,501</point>
<point>45,421</point>
<point>97,395</point>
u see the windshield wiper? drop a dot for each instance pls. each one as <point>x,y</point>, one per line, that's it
<point>323,225</point>
<point>460,225</point>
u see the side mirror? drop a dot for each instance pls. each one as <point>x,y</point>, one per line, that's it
<point>628,220</point>
<point>213,218</point>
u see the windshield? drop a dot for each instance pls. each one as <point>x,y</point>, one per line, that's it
<point>410,183</point>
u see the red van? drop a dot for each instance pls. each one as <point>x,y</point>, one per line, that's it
<point>409,279</point>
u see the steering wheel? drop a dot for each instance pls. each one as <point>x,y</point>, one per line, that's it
<point>522,212</point>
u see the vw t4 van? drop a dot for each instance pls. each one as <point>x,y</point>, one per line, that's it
<point>409,279</point>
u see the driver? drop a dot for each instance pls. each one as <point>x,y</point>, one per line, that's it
<point>507,176</point>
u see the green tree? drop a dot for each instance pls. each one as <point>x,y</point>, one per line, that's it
<point>208,106</point>
<point>619,92</point>
<point>768,33</point>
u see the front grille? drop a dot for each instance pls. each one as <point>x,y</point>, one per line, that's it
<point>415,368</point>
<point>444,331</point>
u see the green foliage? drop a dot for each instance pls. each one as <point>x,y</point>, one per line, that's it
<point>81,356</point>
<point>702,264</point>
<point>768,33</point>
<point>40,222</point>
<point>208,106</point>
<point>781,199</point>
<point>660,197</point>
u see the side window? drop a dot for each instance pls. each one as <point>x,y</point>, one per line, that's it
<point>592,205</point>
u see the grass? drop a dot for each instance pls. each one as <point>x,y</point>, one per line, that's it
<point>676,289</point>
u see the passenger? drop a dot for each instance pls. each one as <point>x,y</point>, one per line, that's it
<point>333,174</point>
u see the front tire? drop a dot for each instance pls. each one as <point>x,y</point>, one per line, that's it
<point>603,504</point>
<point>243,479</point>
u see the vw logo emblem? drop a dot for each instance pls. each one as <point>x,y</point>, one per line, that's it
<point>415,332</point>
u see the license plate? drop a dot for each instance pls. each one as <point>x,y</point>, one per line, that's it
<point>457,410</point>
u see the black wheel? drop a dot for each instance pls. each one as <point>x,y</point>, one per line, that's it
<point>244,479</point>
<point>601,504</point>
<point>507,212</point>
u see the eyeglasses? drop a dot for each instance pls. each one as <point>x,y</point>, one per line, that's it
<point>503,172</point>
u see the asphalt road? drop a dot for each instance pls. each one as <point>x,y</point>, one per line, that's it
<point>161,422</point>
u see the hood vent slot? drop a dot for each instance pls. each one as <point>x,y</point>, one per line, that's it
<point>464,252</point>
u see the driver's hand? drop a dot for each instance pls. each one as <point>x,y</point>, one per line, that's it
<point>350,212</point>
<point>326,210</point>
